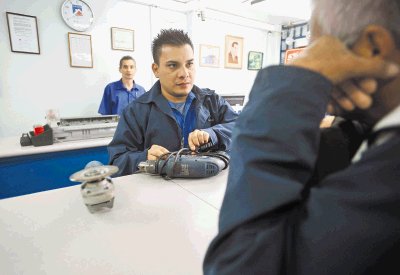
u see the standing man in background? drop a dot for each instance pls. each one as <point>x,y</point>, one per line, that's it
<point>174,114</point>
<point>117,95</point>
<point>274,218</point>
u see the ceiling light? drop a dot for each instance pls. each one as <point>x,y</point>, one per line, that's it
<point>255,1</point>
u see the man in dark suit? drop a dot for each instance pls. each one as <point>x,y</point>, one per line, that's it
<point>277,217</point>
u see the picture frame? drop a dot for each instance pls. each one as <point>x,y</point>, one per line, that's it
<point>80,50</point>
<point>255,60</point>
<point>23,33</point>
<point>209,56</point>
<point>122,39</point>
<point>291,54</point>
<point>233,52</point>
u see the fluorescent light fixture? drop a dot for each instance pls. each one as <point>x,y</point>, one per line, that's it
<point>255,1</point>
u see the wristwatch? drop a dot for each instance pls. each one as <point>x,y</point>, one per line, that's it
<point>77,15</point>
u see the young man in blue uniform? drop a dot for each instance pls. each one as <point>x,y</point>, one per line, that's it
<point>117,95</point>
<point>274,218</point>
<point>174,113</point>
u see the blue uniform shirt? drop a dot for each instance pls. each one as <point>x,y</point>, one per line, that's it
<point>185,117</point>
<point>116,97</point>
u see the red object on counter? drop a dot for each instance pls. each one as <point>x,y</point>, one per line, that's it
<point>38,129</point>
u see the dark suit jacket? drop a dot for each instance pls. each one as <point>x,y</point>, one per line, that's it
<point>273,221</point>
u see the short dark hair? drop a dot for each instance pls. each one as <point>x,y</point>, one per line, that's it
<point>235,43</point>
<point>126,57</point>
<point>172,37</point>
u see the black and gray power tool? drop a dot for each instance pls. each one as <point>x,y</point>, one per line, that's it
<point>186,164</point>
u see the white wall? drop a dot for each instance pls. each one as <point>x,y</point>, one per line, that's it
<point>256,37</point>
<point>30,84</point>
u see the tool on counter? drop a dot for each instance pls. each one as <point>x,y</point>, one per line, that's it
<point>97,188</point>
<point>186,164</point>
<point>38,129</point>
<point>40,136</point>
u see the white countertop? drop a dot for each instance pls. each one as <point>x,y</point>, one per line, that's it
<point>10,146</point>
<point>155,227</point>
<point>211,190</point>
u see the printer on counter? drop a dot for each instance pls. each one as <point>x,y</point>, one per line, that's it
<point>78,128</point>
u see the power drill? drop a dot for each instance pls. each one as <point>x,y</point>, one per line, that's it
<point>201,165</point>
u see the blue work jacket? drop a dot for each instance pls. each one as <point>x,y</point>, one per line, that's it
<point>150,120</point>
<point>116,97</point>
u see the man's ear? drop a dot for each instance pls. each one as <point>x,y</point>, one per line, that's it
<point>375,41</point>
<point>154,67</point>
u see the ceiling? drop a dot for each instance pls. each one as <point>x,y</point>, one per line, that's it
<point>281,12</point>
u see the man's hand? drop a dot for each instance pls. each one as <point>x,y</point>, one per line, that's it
<point>355,77</point>
<point>197,138</point>
<point>155,152</point>
<point>352,94</point>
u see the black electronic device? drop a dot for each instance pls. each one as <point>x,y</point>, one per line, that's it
<point>186,164</point>
<point>25,140</point>
<point>206,147</point>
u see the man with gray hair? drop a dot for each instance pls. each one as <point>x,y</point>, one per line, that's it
<point>276,218</point>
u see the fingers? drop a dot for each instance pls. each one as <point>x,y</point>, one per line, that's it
<point>355,94</point>
<point>343,101</point>
<point>155,152</point>
<point>197,138</point>
<point>374,68</point>
<point>368,85</point>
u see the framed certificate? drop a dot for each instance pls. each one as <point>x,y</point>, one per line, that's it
<point>122,39</point>
<point>23,33</point>
<point>80,50</point>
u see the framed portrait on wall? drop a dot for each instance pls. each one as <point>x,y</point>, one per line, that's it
<point>255,60</point>
<point>233,52</point>
<point>209,56</point>
<point>291,54</point>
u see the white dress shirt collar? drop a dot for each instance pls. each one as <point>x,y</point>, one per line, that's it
<point>390,120</point>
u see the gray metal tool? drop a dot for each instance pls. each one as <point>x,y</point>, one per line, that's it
<point>97,188</point>
<point>187,165</point>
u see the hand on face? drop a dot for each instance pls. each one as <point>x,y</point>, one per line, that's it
<point>352,94</point>
<point>155,152</point>
<point>197,138</point>
<point>355,78</point>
